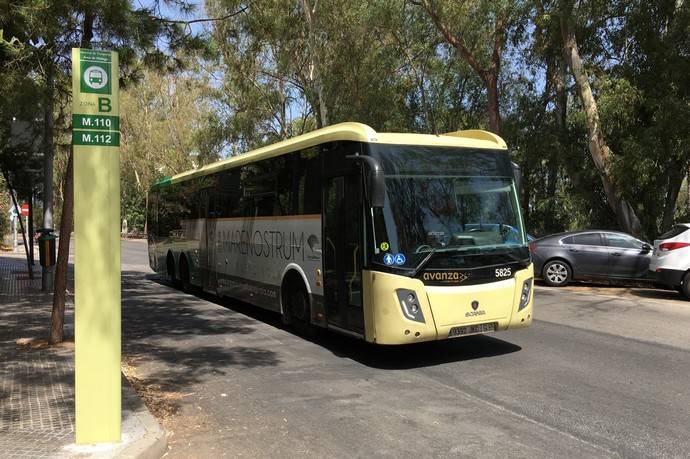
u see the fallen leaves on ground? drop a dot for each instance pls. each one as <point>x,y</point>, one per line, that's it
<point>160,401</point>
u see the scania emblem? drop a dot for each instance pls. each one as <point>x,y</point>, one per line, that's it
<point>475,304</point>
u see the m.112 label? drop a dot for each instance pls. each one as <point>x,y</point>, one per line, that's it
<point>98,138</point>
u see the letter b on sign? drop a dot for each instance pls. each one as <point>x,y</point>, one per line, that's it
<point>104,104</point>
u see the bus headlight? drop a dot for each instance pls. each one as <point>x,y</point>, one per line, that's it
<point>409,303</point>
<point>525,294</point>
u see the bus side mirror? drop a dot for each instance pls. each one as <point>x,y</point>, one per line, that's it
<point>375,180</point>
<point>517,177</point>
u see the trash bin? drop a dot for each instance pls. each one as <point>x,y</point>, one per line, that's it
<point>46,247</point>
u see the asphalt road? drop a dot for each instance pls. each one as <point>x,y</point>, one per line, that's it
<point>597,375</point>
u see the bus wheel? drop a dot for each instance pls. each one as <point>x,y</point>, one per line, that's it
<point>299,311</point>
<point>185,284</point>
<point>170,263</point>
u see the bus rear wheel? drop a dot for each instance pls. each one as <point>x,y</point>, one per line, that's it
<point>185,284</point>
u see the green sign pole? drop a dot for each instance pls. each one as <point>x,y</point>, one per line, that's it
<point>96,142</point>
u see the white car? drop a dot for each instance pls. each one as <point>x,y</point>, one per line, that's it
<point>671,259</point>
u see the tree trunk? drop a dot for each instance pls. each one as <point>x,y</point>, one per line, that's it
<point>30,229</point>
<point>310,16</point>
<point>675,181</point>
<point>146,215</point>
<point>526,187</point>
<point>559,75</point>
<point>57,317</point>
<point>598,149</point>
<point>493,103</point>
<point>687,200</point>
<point>19,217</point>
<point>48,148</point>
<point>488,74</point>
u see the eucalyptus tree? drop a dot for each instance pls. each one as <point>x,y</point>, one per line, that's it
<point>478,30</point>
<point>165,123</point>
<point>650,79</point>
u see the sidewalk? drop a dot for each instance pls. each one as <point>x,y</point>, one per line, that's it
<point>37,382</point>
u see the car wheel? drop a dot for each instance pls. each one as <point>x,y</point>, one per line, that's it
<point>557,273</point>
<point>685,287</point>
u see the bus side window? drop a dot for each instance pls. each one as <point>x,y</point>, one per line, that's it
<point>287,184</point>
<point>228,195</point>
<point>310,184</point>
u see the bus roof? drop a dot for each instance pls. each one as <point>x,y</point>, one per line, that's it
<point>350,131</point>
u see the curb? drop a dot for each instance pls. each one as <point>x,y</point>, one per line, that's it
<point>153,444</point>
<point>141,437</point>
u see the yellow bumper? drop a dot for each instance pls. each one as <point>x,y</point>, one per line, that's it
<point>443,307</point>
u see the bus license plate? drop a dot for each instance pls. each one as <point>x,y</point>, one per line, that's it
<point>472,329</point>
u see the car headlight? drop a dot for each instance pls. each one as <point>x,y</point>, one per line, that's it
<point>525,294</point>
<point>409,303</point>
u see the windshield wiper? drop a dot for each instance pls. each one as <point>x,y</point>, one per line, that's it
<point>422,263</point>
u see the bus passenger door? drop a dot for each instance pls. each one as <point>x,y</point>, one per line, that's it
<point>342,248</point>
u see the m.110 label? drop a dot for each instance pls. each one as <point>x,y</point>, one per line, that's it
<point>96,122</point>
<point>99,138</point>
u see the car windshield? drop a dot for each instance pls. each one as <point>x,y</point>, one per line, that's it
<point>431,213</point>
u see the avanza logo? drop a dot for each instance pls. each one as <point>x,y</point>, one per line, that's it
<point>443,276</point>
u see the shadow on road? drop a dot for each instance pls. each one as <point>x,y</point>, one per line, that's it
<point>159,327</point>
<point>376,356</point>
<point>421,355</point>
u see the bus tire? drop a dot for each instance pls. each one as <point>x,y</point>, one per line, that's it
<point>298,309</point>
<point>184,283</point>
<point>170,265</point>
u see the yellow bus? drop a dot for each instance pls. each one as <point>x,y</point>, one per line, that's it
<point>390,238</point>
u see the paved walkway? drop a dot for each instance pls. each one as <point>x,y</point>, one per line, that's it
<point>36,382</point>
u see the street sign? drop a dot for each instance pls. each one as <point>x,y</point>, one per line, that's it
<point>24,209</point>
<point>96,141</point>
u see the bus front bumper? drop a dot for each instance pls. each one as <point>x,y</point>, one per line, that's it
<point>443,311</point>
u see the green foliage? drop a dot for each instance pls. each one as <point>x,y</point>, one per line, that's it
<point>256,77</point>
<point>166,120</point>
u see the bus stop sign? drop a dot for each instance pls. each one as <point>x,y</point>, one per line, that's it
<point>96,141</point>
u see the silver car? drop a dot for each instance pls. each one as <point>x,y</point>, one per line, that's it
<point>586,255</point>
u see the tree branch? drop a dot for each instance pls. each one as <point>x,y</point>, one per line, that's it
<point>457,41</point>
<point>195,21</point>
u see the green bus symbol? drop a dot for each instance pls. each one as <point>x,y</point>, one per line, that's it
<point>95,77</point>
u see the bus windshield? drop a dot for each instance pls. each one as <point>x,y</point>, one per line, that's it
<point>433,209</point>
